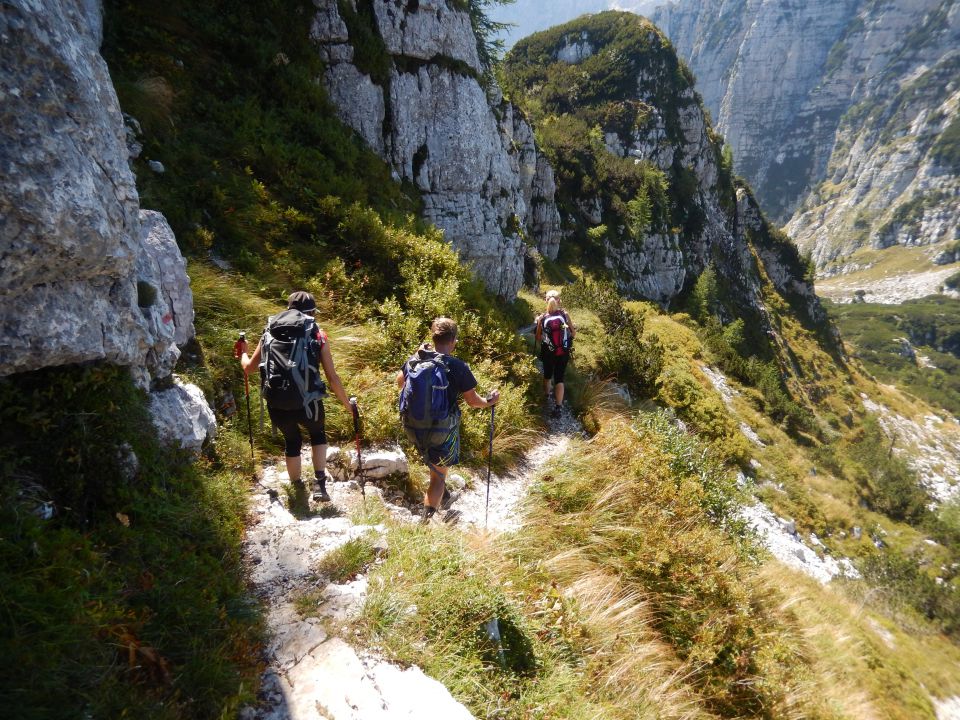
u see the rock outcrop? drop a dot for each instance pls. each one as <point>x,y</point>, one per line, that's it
<point>163,294</point>
<point>839,113</point>
<point>422,107</point>
<point>69,225</point>
<point>86,275</point>
<point>182,416</point>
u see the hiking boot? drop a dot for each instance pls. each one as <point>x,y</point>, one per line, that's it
<point>320,492</point>
<point>557,410</point>
<point>449,498</point>
<point>428,512</point>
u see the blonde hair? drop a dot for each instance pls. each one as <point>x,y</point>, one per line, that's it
<point>443,330</point>
<point>553,303</point>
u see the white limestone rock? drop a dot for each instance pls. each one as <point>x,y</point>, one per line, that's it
<point>781,80</point>
<point>166,299</point>
<point>472,156</point>
<point>780,537</point>
<point>575,50</point>
<point>359,102</point>
<point>426,29</point>
<point>68,204</point>
<point>182,416</point>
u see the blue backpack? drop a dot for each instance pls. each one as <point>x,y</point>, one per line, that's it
<point>424,399</point>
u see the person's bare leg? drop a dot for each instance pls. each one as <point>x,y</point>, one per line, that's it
<point>558,393</point>
<point>438,479</point>
<point>293,468</point>
<point>319,453</point>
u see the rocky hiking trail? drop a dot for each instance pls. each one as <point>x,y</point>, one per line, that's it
<point>312,669</point>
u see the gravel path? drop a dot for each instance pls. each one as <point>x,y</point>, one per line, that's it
<point>312,672</point>
<point>507,491</point>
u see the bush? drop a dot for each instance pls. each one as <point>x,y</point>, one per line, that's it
<point>889,485</point>
<point>907,585</point>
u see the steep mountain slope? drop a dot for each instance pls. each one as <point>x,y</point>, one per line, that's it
<point>634,589</point>
<point>841,114</point>
<point>644,184</point>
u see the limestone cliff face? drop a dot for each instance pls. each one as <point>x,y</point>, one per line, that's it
<point>893,177</point>
<point>85,274</point>
<point>833,108</point>
<point>417,101</point>
<point>69,227</point>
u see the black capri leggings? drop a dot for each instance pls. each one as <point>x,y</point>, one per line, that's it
<point>289,423</point>
<point>554,366</point>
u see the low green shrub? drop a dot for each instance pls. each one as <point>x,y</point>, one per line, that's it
<point>905,584</point>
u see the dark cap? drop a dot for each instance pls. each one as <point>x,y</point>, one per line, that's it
<point>302,301</point>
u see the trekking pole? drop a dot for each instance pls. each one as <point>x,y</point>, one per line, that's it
<point>486,512</point>
<point>356,437</point>
<point>238,350</point>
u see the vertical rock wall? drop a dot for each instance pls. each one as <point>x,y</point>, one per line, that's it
<point>472,155</point>
<point>85,275</point>
<point>69,225</point>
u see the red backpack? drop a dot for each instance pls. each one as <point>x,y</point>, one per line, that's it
<point>556,334</point>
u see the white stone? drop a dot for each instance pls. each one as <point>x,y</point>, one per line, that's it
<point>182,416</point>
<point>574,52</point>
<point>433,29</point>
<point>169,317</point>
<point>780,538</point>
<point>472,156</point>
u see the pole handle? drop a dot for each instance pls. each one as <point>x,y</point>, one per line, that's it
<point>354,408</point>
<point>239,347</point>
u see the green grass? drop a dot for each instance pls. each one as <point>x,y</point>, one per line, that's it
<point>630,592</point>
<point>348,560</point>
<point>131,598</point>
<point>932,325</point>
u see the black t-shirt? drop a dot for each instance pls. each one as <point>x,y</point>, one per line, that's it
<point>459,376</point>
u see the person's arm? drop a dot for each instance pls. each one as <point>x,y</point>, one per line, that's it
<point>248,362</point>
<point>333,380</point>
<point>538,332</point>
<point>475,400</point>
<point>400,378</point>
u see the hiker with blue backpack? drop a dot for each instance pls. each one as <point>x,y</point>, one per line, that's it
<point>290,354</point>
<point>432,382</point>
<point>554,334</point>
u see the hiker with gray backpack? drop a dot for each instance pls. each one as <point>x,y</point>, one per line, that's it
<point>554,335</point>
<point>290,354</point>
<point>431,384</point>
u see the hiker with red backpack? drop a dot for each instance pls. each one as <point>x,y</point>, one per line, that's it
<point>554,335</point>
<point>290,354</point>
<point>431,384</point>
